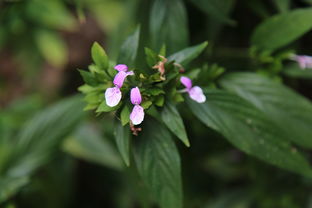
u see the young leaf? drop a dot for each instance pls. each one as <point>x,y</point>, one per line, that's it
<point>88,78</point>
<point>87,143</point>
<point>270,35</point>
<point>171,117</point>
<point>99,56</point>
<point>122,137</point>
<point>151,57</point>
<point>125,115</point>
<point>158,163</point>
<point>290,111</point>
<point>168,25</point>
<point>186,55</point>
<point>129,48</point>
<point>247,128</point>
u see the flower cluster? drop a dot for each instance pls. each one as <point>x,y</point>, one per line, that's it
<point>113,95</point>
<point>305,62</point>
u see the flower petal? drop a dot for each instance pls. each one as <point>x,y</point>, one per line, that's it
<point>137,115</point>
<point>112,96</point>
<point>196,93</point>
<point>121,67</point>
<point>135,96</point>
<point>187,82</point>
<point>120,78</point>
<point>303,61</point>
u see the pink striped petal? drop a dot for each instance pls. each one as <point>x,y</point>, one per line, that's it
<point>135,96</point>
<point>121,67</point>
<point>120,78</point>
<point>137,115</point>
<point>196,93</point>
<point>187,82</point>
<point>112,96</point>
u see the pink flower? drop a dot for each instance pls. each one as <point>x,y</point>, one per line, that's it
<point>303,61</point>
<point>113,94</point>
<point>137,114</point>
<point>195,93</point>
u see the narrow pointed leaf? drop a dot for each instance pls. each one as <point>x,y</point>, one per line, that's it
<point>122,137</point>
<point>171,117</point>
<point>158,163</point>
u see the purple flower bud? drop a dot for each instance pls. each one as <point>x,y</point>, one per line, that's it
<point>187,82</point>
<point>121,67</point>
<point>137,115</point>
<point>195,93</point>
<point>135,96</point>
<point>112,96</point>
<point>303,61</point>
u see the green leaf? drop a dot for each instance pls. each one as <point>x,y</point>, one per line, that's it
<point>146,104</point>
<point>122,137</point>
<point>151,57</point>
<point>186,55</point>
<point>282,5</point>
<point>292,112</point>
<point>103,107</point>
<point>293,70</point>
<point>99,56</point>
<point>52,47</point>
<point>168,25</point>
<point>215,9</point>
<point>43,133</point>
<point>10,186</point>
<point>125,115</point>
<point>247,128</point>
<point>158,163</point>
<point>171,117</point>
<point>88,144</point>
<point>129,48</point>
<point>270,35</point>
<point>88,78</point>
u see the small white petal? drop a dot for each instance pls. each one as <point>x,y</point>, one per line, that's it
<point>112,96</point>
<point>137,115</point>
<point>196,93</point>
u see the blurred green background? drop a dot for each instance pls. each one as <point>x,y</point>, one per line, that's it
<point>54,155</point>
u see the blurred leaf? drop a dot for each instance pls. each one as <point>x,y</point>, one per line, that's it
<point>41,135</point>
<point>129,49</point>
<point>186,55</point>
<point>52,14</point>
<point>282,5</point>
<point>99,56</point>
<point>270,35</point>
<point>10,186</point>
<point>52,47</point>
<point>122,137</point>
<point>171,117</point>
<point>103,107</point>
<point>151,57</point>
<point>290,111</point>
<point>293,70</point>
<point>158,163</point>
<point>249,130</point>
<point>87,143</point>
<point>168,25</point>
<point>88,77</point>
<point>216,9</point>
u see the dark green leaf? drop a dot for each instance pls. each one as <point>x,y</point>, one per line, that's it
<point>271,34</point>
<point>158,163</point>
<point>215,9</point>
<point>292,112</point>
<point>99,56</point>
<point>171,117</point>
<point>122,137</point>
<point>129,48</point>
<point>168,25</point>
<point>10,186</point>
<point>293,70</point>
<point>88,144</point>
<point>185,56</point>
<point>151,57</point>
<point>282,5</point>
<point>247,128</point>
